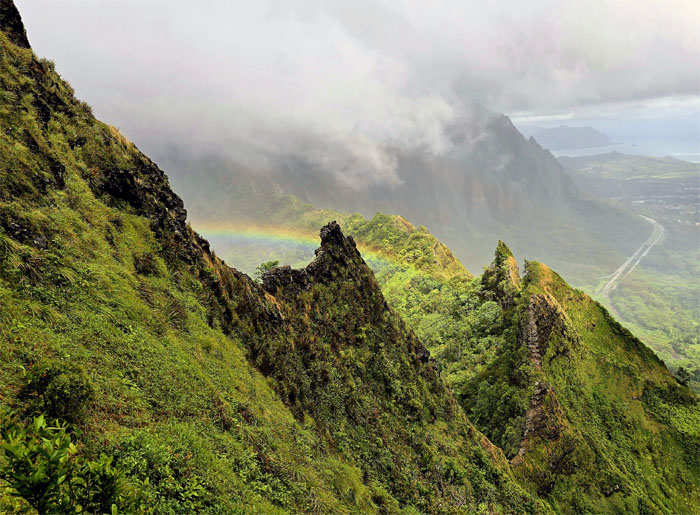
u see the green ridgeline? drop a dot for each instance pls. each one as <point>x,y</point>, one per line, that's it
<point>608,428</point>
<point>591,420</point>
<point>185,387</point>
<point>182,386</point>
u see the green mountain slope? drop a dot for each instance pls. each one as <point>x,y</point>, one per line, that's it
<point>187,387</point>
<point>588,415</point>
<point>613,403</point>
<point>591,420</point>
<point>207,392</point>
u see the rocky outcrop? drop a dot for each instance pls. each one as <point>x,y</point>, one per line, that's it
<point>543,318</point>
<point>11,24</point>
<point>546,324</point>
<point>338,261</point>
<point>337,250</point>
<point>541,418</point>
<point>22,230</point>
<point>285,278</point>
<point>146,189</point>
<point>537,326</point>
<point>337,255</point>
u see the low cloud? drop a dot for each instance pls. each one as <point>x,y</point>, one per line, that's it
<point>343,85</point>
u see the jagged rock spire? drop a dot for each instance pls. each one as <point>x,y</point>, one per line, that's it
<point>337,255</point>
<point>336,250</point>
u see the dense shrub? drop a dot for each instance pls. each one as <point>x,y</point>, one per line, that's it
<point>60,389</point>
<point>40,467</point>
<point>164,476</point>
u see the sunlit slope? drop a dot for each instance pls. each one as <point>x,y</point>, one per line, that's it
<point>588,415</point>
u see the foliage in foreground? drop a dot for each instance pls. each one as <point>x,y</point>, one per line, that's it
<point>41,468</point>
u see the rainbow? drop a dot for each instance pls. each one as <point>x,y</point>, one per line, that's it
<point>286,236</point>
<point>258,233</point>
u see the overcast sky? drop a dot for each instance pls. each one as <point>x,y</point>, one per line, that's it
<point>357,75</point>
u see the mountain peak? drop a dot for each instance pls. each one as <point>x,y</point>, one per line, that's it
<point>501,280</point>
<point>502,251</point>
<point>335,246</point>
<point>337,256</point>
<point>11,23</point>
<point>332,235</point>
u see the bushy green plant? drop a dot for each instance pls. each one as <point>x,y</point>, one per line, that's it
<point>163,475</point>
<point>41,466</point>
<point>683,376</point>
<point>264,267</point>
<point>58,388</point>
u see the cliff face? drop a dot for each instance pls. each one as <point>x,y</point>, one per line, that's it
<point>12,26</point>
<point>209,392</point>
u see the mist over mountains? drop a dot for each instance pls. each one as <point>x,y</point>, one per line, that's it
<point>371,107</point>
<point>490,182</point>
<point>344,86</point>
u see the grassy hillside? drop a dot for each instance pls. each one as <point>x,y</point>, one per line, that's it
<point>183,386</point>
<point>593,405</point>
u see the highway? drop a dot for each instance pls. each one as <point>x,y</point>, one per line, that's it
<point>629,265</point>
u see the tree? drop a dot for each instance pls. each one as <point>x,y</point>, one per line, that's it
<point>264,267</point>
<point>683,376</point>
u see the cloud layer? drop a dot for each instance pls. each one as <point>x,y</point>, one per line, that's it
<point>339,83</point>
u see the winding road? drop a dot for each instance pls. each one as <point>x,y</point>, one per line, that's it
<point>629,265</point>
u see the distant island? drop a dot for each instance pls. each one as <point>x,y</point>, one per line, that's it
<point>569,138</point>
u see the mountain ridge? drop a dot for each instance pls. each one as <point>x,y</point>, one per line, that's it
<point>179,355</point>
<point>491,182</point>
<point>187,387</point>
